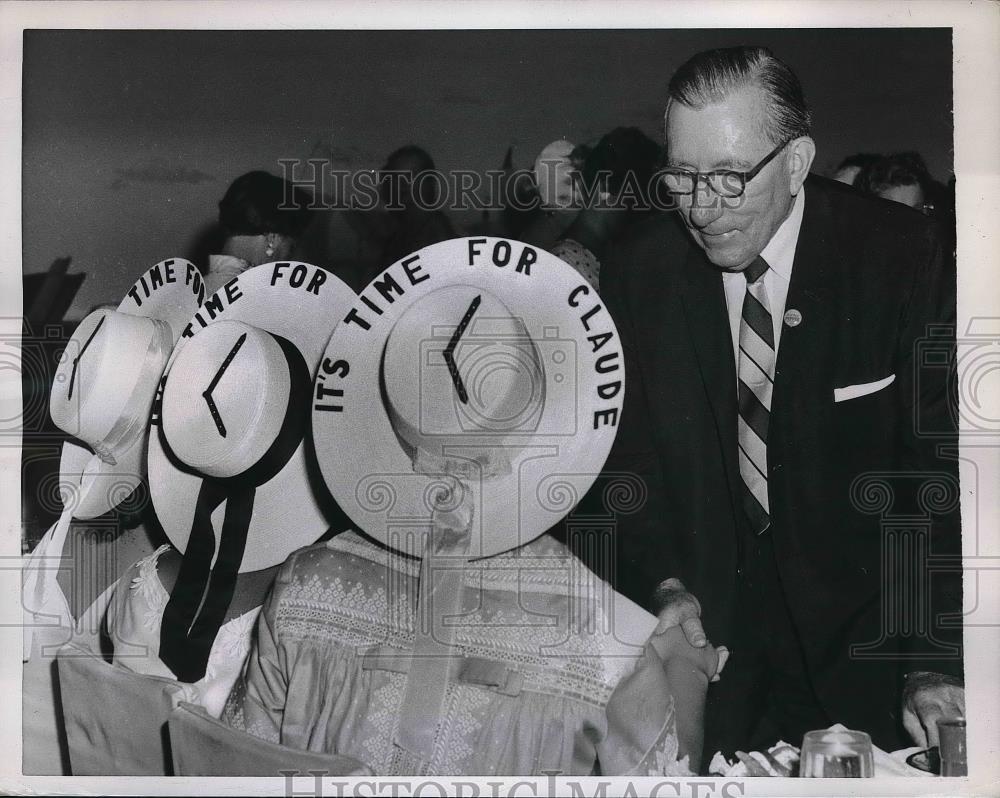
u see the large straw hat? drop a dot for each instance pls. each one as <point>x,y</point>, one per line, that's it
<point>476,362</point>
<point>106,382</point>
<point>229,471</point>
<point>235,409</point>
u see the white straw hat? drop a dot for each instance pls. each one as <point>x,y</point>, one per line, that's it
<point>106,382</point>
<point>477,358</point>
<point>230,475</point>
<point>230,394</point>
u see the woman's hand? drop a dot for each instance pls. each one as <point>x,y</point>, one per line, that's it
<point>688,669</point>
<point>672,644</point>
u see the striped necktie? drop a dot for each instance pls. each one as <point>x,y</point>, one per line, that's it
<point>756,382</point>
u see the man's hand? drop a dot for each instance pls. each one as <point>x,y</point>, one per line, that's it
<point>680,608</point>
<point>927,698</point>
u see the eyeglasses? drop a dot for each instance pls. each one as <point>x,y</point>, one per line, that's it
<point>726,183</point>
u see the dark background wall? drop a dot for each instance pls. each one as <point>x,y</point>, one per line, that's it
<point>131,137</point>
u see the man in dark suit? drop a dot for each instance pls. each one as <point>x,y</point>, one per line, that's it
<point>800,460</point>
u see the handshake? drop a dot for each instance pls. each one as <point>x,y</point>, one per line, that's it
<point>677,607</point>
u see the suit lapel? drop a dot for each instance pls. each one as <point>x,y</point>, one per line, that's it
<point>804,353</point>
<point>704,302</point>
<point>805,350</point>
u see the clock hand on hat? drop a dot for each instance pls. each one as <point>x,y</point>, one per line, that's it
<point>449,356</point>
<point>76,360</point>
<point>215,381</point>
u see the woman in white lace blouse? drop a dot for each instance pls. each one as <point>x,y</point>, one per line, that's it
<point>136,612</point>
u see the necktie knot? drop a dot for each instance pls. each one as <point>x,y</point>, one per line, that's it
<point>755,270</point>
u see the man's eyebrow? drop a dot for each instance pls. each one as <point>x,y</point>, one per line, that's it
<point>675,163</point>
<point>727,163</point>
<point>732,163</point>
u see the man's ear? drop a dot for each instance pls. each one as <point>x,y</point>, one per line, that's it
<point>802,152</point>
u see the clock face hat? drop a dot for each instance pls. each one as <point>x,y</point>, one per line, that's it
<point>230,473</point>
<point>106,382</point>
<point>476,363</point>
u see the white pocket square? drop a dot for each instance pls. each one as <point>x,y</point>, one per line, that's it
<point>863,389</point>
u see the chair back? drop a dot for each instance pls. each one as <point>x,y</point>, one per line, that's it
<point>205,746</point>
<point>115,718</point>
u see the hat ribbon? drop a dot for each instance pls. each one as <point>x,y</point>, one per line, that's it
<point>134,417</point>
<point>41,602</point>
<point>439,605</point>
<point>202,594</point>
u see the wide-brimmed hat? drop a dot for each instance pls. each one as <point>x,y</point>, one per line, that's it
<point>233,403</point>
<point>230,475</point>
<point>106,382</point>
<point>476,363</point>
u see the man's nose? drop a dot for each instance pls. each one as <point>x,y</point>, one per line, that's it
<point>705,208</point>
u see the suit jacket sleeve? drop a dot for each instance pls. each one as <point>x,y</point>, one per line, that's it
<point>929,439</point>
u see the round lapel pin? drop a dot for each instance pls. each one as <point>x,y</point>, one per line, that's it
<point>793,318</point>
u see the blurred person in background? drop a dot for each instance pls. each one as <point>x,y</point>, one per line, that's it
<point>261,216</point>
<point>411,199</point>
<point>849,168</point>
<point>901,177</point>
<point>542,203</point>
<point>615,178</point>
<point>904,178</point>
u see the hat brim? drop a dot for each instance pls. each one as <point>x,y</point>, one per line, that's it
<point>288,510</point>
<point>170,291</point>
<point>167,292</point>
<point>367,469</point>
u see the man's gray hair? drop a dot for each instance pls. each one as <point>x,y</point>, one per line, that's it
<point>711,76</point>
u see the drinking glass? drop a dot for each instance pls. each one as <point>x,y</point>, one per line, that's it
<point>830,754</point>
<point>951,733</point>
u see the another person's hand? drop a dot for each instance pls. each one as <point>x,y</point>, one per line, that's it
<point>688,671</point>
<point>680,608</point>
<point>927,698</point>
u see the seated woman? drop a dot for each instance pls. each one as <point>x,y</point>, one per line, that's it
<point>459,638</point>
<point>537,683</point>
<point>226,460</point>
<point>262,217</point>
<point>100,398</point>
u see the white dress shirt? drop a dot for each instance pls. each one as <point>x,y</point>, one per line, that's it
<point>779,254</point>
